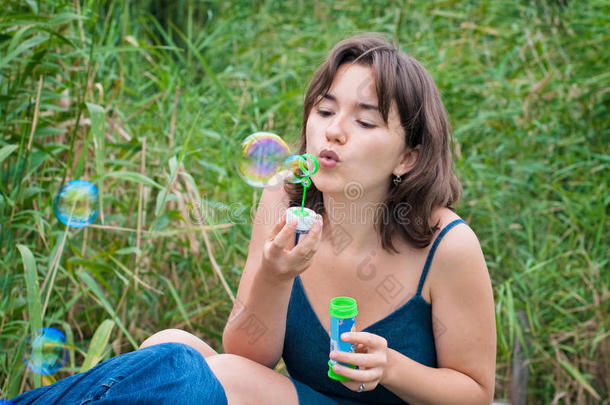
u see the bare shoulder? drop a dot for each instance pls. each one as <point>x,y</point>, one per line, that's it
<point>458,257</point>
<point>458,243</point>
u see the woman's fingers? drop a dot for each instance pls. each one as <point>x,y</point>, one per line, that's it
<point>371,360</point>
<point>362,360</point>
<point>284,239</point>
<point>286,257</point>
<point>367,339</point>
<point>360,348</point>
<point>360,375</point>
<point>309,241</point>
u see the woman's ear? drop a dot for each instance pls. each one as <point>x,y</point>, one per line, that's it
<point>408,160</point>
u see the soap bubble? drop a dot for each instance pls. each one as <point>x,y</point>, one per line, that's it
<point>77,203</point>
<point>290,169</point>
<point>262,158</point>
<point>298,167</point>
<point>46,351</point>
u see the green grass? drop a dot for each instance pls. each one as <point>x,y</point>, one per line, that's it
<point>153,112</point>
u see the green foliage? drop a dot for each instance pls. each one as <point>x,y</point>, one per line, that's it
<point>150,101</point>
<point>97,345</point>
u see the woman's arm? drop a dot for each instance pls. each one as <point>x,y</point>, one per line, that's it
<point>465,332</point>
<point>256,327</point>
<point>419,384</point>
<point>257,324</point>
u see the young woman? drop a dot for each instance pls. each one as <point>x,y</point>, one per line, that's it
<point>386,235</point>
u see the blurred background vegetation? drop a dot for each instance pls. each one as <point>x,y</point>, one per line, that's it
<point>151,99</point>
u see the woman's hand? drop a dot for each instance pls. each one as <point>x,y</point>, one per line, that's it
<point>371,357</point>
<point>282,260</point>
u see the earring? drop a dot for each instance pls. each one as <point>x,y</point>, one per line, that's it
<point>397,180</point>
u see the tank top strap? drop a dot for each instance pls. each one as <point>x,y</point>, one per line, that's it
<point>432,250</point>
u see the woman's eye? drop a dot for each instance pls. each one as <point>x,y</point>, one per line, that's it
<point>327,113</point>
<point>366,124</point>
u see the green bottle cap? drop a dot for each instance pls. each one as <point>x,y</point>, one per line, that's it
<point>343,307</point>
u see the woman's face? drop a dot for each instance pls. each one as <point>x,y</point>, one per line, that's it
<point>347,121</point>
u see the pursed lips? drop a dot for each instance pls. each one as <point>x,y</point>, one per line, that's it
<point>329,154</point>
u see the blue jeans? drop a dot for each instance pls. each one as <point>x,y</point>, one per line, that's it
<point>168,373</point>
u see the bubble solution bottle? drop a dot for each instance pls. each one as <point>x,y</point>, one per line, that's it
<point>343,311</point>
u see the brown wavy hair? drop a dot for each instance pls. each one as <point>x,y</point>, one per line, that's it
<point>432,181</point>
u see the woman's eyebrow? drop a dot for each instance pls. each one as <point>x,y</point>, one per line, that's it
<point>363,106</point>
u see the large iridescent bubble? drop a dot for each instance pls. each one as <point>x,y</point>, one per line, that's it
<point>262,158</point>
<point>46,351</point>
<point>77,203</point>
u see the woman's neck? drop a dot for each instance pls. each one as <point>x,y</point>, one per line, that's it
<point>351,223</point>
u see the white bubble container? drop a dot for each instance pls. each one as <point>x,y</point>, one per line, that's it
<point>305,218</point>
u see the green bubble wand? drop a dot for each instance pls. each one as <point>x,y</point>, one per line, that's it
<point>305,181</point>
<point>306,216</point>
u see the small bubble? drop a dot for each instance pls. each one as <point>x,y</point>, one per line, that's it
<point>291,171</point>
<point>77,203</point>
<point>297,168</point>
<point>46,351</point>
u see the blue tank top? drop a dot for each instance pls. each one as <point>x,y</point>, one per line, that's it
<point>407,330</point>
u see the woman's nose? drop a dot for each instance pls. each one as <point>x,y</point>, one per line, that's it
<point>335,132</point>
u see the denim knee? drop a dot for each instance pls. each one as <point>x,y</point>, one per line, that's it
<point>176,373</point>
<point>166,373</point>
